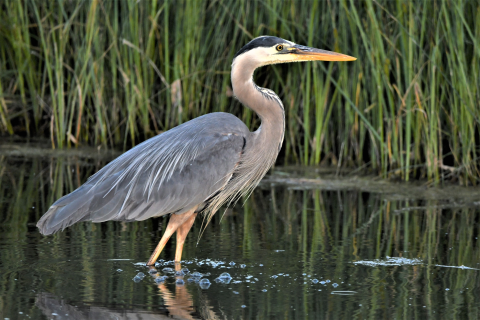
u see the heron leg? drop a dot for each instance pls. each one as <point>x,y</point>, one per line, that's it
<point>182,235</point>
<point>176,220</point>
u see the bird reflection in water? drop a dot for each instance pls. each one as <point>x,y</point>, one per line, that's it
<point>178,305</point>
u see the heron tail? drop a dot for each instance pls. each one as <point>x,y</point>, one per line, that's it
<point>69,209</point>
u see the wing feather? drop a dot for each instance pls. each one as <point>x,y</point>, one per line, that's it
<point>171,172</point>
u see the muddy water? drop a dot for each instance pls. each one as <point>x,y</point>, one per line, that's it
<point>299,248</point>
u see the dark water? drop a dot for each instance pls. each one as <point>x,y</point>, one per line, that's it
<point>292,251</point>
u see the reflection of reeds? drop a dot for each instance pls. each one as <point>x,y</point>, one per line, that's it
<point>348,226</point>
<point>312,226</point>
<point>113,73</point>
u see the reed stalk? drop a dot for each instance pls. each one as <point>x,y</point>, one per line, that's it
<point>108,73</point>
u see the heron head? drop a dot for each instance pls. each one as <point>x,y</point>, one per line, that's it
<point>266,50</point>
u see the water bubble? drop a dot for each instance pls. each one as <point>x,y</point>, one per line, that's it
<point>137,279</point>
<point>119,270</point>
<point>204,283</point>
<point>152,271</point>
<point>260,265</point>
<point>185,270</point>
<point>242,266</point>
<point>158,263</point>
<point>179,282</point>
<point>224,278</point>
<point>235,292</point>
<point>168,270</point>
<point>141,275</point>
<point>447,289</point>
<point>179,273</point>
<point>327,281</point>
<point>160,279</point>
<point>244,306</point>
<point>335,285</point>
<point>322,282</point>
<point>196,274</point>
<point>232,263</point>
<point>315,281</point>
<point>274,277</point>
<point>304,274</point>
<point>264,290</point>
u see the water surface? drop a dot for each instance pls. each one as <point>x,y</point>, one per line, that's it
<point>299,247</point>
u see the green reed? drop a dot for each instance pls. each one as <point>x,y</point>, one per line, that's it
<point>116,73</point>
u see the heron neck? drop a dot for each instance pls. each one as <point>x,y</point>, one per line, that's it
<point>262,146</point>
<point>264,102</point>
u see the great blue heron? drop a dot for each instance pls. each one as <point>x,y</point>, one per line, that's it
<point>196,167</point>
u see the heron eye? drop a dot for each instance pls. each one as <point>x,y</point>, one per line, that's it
<point>279,47</point>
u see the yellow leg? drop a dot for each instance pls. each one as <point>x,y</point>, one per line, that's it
<point>176,220</point>
<point>182,235</point>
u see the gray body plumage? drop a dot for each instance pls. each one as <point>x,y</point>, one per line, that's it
<point>169,173</point>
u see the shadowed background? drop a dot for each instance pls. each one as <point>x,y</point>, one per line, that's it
<point>114,73</point>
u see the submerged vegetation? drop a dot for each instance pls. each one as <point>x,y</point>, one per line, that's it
<point>115,73</point>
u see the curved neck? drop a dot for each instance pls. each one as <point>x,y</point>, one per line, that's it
<point>264,102</point>
<point>262,146</point>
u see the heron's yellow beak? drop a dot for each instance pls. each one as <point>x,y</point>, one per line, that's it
<point>302,53</point>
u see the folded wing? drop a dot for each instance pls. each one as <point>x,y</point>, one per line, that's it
<point>169,173</point>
